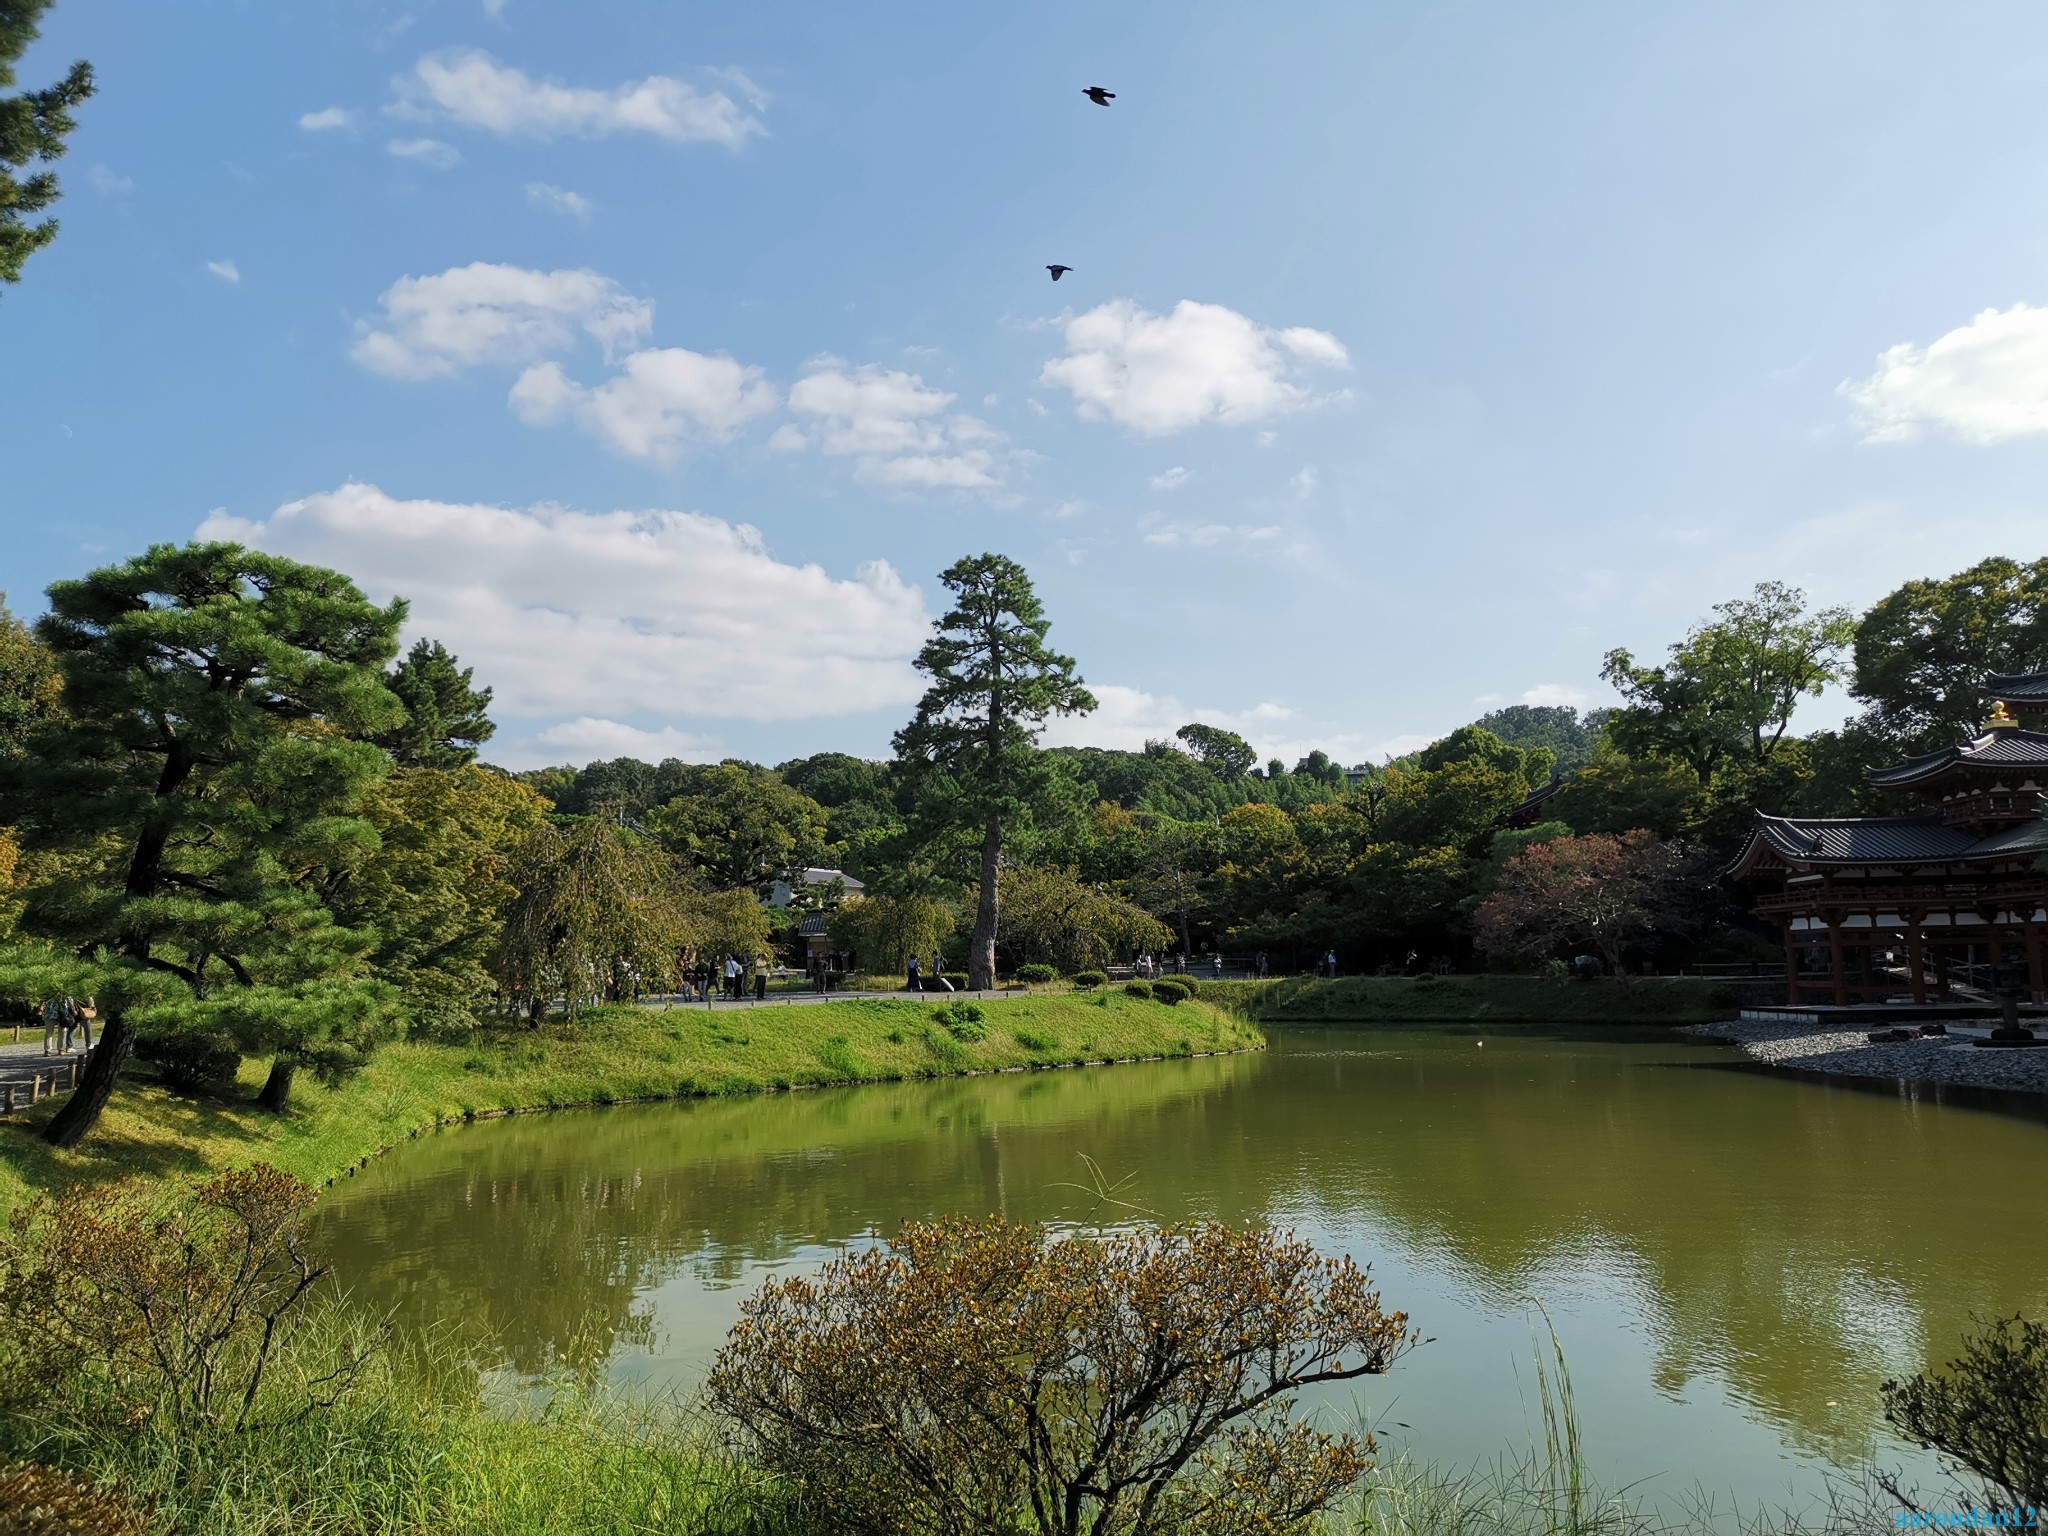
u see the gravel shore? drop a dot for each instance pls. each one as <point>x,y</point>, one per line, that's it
<point>1930,1059</point>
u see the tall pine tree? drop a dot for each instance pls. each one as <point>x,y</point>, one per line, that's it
<point>975,735</point>
<point>32,129</point>
<point>205,771</point>
<point>445,721</point>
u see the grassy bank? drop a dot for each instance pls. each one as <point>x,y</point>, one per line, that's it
<point>610,1056</point>
<point>1664,1000</point>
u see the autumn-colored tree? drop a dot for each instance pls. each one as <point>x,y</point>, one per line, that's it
<point>989,1376</point>
<point>1599,892</point>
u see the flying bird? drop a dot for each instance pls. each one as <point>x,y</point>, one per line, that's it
<point>1058,271</point>
<point>1099,96</point>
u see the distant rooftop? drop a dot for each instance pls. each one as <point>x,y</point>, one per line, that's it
<point>780,892</point>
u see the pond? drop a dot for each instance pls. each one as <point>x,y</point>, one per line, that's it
<point>1733,1260</point>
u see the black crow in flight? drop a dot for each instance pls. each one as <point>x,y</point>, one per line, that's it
<point>1099,96</point>
<point>1058,271</point>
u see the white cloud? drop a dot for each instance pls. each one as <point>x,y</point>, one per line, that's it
<point>893,425</point>
<point>1126,718</point>
<point>739,81</point>
<point>1161,374</point>
<point>559,200</point>
<point>1157,530</point>
<point>660,401</point>
<point>1552,694</point>
<point>1171,479</point>
<point>1982,383</point>
<point>1066,509</point>
<point>490,313</point>
<point>672,617</point>
<point>431,153</point>
<point>1304,483</point>
<point>471,87</point>
<point>588,739</point>
<point>226,271</point>
<point>327,120</point>
<point>494,8</point>
<point>108,181</point>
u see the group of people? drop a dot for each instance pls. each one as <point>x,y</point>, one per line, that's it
<point>917,979</point>
<point>67,1023</point>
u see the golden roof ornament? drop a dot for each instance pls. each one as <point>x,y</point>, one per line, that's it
<point>1999,720</point>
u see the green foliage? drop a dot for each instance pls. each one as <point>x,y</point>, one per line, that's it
<point>1616,793</point>
<point>972,743</point>
<point>1224,753</point>
<point>1556,728</point>
<point>963,1021</point>
<point>1731,686</point>
<point>436,888</point>
<point>1988,1409</point>
<point>29,683</point>
<point>886,930</point>
<point>738,827</point>
<point>1171,992</point>
<point>1922,652</point>
<point>445,717</point>
<point>1034,975</point>
<point>1087,979</point>
<point>1138,989</point>
<point>1061,923</point>
<point>598,914</point>
<point>195,797</point>
<point>42,1501</point>
<point>33,126</point>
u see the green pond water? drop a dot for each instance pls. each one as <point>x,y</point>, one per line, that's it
<point>1734,1261</point>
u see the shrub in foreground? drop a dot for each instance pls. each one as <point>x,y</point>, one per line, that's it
<point>1171,991</point>
<point>1138,989</point>
<point>1988,1410</point>
<point>986,1376</point>
<point>1087,979</point>
<point>1036,975</point>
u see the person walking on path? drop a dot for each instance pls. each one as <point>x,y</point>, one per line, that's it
<point>56,1027</point>
<point>1330,965</point>
<point>912,982</point>
<point>732,977</point>
<point>1262,965</point>
<point>1219,965</point>
<point>82,1015</point>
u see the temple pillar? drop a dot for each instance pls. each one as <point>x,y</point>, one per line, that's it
<point>1841,978</point>
<point>1941,972</point>
<point>1916,959</point>
<point>1791,961</point>
<point>2037,981</point>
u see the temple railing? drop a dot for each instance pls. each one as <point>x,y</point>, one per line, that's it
<point>1880,896</point>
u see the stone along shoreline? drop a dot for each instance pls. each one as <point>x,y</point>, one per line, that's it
<point>1848,1052</point>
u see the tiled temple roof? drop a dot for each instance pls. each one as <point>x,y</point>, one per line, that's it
<point>2007,747</point>
<point>2028,686</point>
<point>1810,840</point>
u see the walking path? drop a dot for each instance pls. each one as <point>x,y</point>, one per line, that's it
<point>1950,1058</point>
<point>21,1064</point>
<point>719,1004</point>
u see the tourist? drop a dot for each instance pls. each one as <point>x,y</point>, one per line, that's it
<point>56,1010</point>
<point>1262,965</point>
<point>912,982</point>
<point>81,1020</point>
<point>1330,965</point>
<point>1219,964</point>
<point>732,977</point>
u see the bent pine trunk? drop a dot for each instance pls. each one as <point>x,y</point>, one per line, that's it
<point>277,1088</point>
<point>95,1084</point>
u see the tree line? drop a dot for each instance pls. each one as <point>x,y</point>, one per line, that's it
<point>249,827</point>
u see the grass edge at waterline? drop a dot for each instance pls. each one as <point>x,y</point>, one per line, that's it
<point>610,1056</point>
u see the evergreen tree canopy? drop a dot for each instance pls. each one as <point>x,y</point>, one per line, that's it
<point>29,685</point>
<point>1922,653</point>
<point>995,682</point>
<point>205,772</point>
<point>445,721</point>
<point>1224,753</point>
<point>32,129</point>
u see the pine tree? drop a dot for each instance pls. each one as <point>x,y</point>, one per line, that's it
<point>32,129</point>
<point>445,720</point>
<point>974,737</point>
<point>201,780</point>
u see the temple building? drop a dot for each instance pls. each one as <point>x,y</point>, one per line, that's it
<point>1875,908</point>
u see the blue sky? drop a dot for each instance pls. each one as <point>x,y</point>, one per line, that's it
<point>1412,357</point>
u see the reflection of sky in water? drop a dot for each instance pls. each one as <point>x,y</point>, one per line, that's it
<point>1728,1281</point>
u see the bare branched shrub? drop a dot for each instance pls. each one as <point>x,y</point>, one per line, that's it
<point>1988,1410</point>
<point>987,1376</point>
<point>40,1501</point>
<point>172,1307</point>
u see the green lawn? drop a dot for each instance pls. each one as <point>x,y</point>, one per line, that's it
<point>612,1055</point>
<point>1666,1000</point>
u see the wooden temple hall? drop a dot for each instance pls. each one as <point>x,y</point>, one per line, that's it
<point>1880,908</point>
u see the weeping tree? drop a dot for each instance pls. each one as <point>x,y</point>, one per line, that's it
<point>207,765</point>
<point>598,910</point>
<point>974,739</point>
